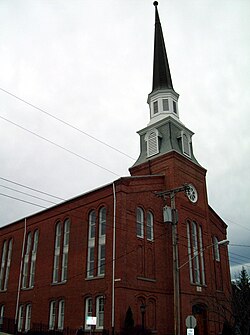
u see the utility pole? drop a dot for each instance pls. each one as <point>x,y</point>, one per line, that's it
<point>174,221</point>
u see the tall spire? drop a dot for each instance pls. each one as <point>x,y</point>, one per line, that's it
<point>161,72</point>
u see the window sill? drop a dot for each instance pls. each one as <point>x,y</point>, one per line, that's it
<point>59,283</point>
<point>94,278</point>
<point>27,288</point>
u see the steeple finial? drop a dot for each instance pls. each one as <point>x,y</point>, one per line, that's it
<point>161,71</point>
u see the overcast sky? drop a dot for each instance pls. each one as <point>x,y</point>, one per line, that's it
<point>89,63</point>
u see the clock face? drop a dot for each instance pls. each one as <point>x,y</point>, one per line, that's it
<point>192,193</point>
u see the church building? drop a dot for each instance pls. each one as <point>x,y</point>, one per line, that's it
<point>147,246</point>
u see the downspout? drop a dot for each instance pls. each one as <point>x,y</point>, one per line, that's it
<point>20,272</point>
<point>113,263</point>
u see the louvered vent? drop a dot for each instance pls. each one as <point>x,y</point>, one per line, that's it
<point>152,144</point>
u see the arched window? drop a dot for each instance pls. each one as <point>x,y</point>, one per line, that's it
<point>65,250</point>
<point>26,261</point>
<point>100,312</point>
<point>56,314</point>
<point>92,224</point>
<point>102,241</point>
<point>33,259</point>
<point>57,252</point>
<point>60,268</point>
<point>61,314</point>
<point>5,264</point>
<point>150,226</point>
<point>139,222</point>
<point>88,311</point>
<point>195,253</point>
<point>102,221</point>
<point>91,244</point>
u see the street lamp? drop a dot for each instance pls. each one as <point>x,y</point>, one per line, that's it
<point>223,242</point>
<point>142,309</point>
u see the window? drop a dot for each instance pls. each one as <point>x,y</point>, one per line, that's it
<point>1,316</point>
<point>26,261</point>
<point>216,249</point>
<point>65,251</point>
<point>96,265</point>
<point>92,223</point>
<point>27,317</point>
<point>61,315</point>
<point>24,318</point>
<point>91,244</point>
<point>165,105</point>
<point>155,104</point>
<point>5,264</point>
<point>201,257</point>
<point>91,261</point>
<point>101,259</point>
<point>29,264</point>
<point>20,318</point>
<point>52,315</point>
<point>99,312</point>
<point>60,268</point>
<point>102,222</point>
<point>54,318</point>
<point>33,259</point>
<point>102,241</point>
<point>139,222</point>
<point>150,222</point>
<point>57,252</point>
<point>88,310</point>
<point>195,253</point>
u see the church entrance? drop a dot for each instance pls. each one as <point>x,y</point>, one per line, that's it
<point>200,313</point>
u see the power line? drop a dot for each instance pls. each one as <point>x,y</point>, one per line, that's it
<point>66,123</point>
<point>31,188</point>
<point>238,224</point>
<point>25,193</point>
<point>27,202</point>
<point>59,146</point>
